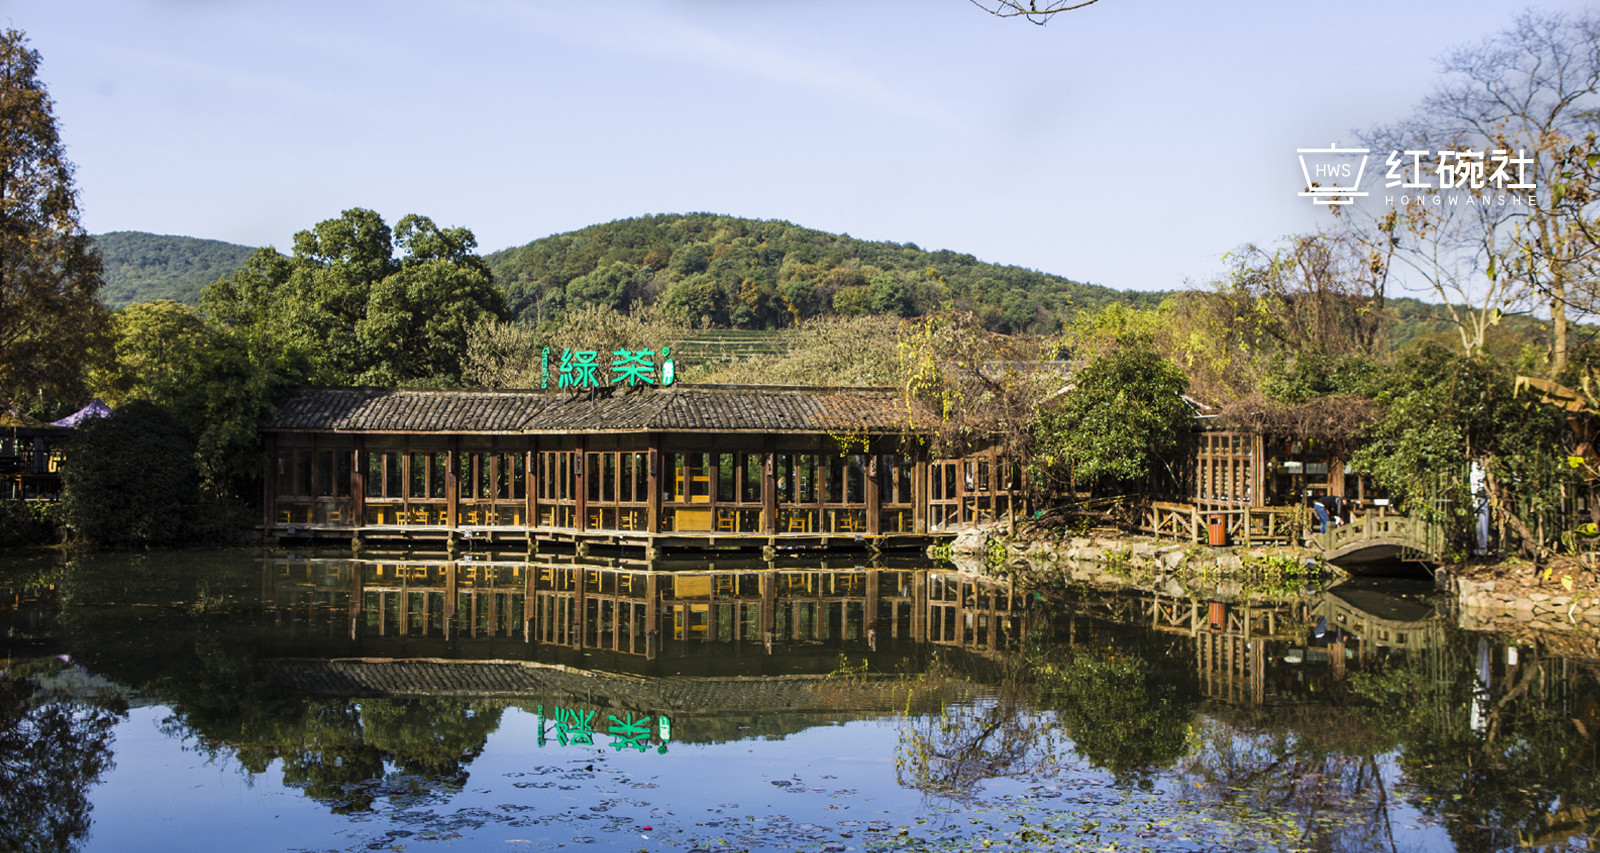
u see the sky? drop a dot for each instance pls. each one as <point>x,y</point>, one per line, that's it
<point>1131,143</point>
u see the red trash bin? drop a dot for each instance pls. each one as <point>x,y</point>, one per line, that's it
<point>1218,530</point>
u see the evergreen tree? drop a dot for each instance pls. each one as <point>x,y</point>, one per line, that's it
<point>49,273</point>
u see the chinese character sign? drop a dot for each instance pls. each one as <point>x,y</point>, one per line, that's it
<point>581,369</point>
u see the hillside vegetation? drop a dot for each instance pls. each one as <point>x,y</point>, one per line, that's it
<point>726,272</point>
<point>142,267</point>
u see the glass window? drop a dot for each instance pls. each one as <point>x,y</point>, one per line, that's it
<point>464,479</point>
<point>485,463</point>
<point>286,472</point>
<point>641,477</point>
<point>419,476</point>
<point>302,473</point>
<point>855,478</point>
<point>726,472</point>
<point>341,473</point>
<point>751,491</point>
<point>519,476</point>
<point>437,475</point>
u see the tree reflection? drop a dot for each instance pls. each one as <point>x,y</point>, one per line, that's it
<point>1121,715</point>
<point>349,754</point>
<point>950,754</point>
<point>1319,765</point>
<point>51,753</point>
<point>1512,765</point>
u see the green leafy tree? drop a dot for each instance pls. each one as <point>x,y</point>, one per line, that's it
<point>50,276</point>
<point>1123,414</point>
<point>348,310</point>
<point>1445,412</point>
<point>130,479</point>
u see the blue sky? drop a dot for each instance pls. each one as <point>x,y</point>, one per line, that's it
<point>1129,144</point>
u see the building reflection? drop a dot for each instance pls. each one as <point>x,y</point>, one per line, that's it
<point>595,610</point>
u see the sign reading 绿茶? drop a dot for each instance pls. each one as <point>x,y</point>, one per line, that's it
<point>579,368</point>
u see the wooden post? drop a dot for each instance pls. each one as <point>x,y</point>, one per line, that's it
<point>769,487</point>
<point>530,489</point>
<point>874,496</point>
<point>358,486</point>
<point>653,511</point>
<point>919,489</point>
<point>452,482</point>
<point>580,461</point>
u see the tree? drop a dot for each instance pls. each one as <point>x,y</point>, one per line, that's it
<point>1123,413</point>
<point>353,311</point>
<point>131,479</point>
<point>1532,93</point>
<point>1035,11</point>
<point>50,276</point>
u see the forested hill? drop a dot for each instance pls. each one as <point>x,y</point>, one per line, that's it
<point>141,267</point>
<point>723,271</point>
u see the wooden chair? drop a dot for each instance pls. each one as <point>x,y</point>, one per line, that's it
<point>727,521</point>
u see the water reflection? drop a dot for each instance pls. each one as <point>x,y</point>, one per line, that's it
<point>375,687</point>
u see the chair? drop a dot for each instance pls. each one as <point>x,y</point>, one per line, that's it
<point>727,521</point>
<point>799,522</point>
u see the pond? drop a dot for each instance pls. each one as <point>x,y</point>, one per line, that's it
<point>277,701</point>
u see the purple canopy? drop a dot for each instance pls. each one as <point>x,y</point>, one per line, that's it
<point>95,409</point>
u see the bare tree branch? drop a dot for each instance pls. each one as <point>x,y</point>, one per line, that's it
<point>1035,11</point>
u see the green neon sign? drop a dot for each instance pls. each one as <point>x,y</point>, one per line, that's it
<point>579,369</point>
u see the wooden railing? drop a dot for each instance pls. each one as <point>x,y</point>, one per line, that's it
<point>1409,533</point>
<point>1245,525</point>
<point>1292,525</point>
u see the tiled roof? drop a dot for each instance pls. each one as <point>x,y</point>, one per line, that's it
<point>685,408</point>
<point>388,409</point>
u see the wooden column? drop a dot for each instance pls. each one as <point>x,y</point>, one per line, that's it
<point>919,488</point>
<point>654,509</point>
<point>581,477</point>
<point>530,484</point>
<point>358,485</point>
<point>769,608</point>
<point>452,484</point>
<point>874,494</point>
<point>769,487</point>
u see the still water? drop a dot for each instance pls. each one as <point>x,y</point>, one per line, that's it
<point>250,701</point>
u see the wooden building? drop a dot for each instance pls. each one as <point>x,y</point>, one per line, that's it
<point>655,467</point>
<point>1259,483</point>
<point>30,458</point>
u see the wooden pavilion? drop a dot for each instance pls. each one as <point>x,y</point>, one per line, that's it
<point>688,466</point>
